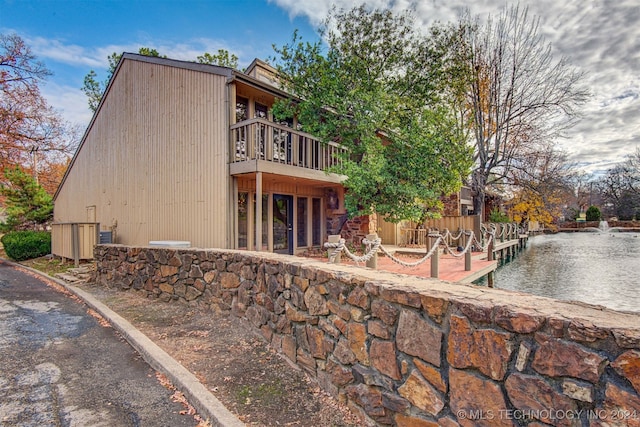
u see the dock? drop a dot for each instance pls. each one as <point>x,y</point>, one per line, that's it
<point>466,268</point>
<point>450,268</point>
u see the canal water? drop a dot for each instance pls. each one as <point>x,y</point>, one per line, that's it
<point>598,267</point>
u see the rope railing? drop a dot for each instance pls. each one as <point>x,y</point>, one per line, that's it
<point>427,256</point>
<point>485,242</point>
<point>372,245</point>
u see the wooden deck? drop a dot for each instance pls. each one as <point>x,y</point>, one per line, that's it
<point>450,268</point>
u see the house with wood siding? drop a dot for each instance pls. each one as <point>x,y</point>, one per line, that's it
<point>181,151</point>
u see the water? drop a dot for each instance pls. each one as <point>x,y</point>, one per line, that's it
<point>598,268</point>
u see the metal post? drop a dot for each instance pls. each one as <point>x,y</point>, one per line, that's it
<point>373,261</point>
<point>334,238</point>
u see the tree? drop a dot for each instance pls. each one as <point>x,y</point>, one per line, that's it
<point>95,89</point>
<point>514,93</point>
<point>593,214</point>
<point>221,59</point>
<point>373,88</point>
<point>527,206</point>
<point>620,187</point>
<point>26,202</point>
<point>541,180</point>
<point>30,129</point>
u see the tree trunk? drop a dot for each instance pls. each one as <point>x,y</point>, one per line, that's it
<point>478,186</point>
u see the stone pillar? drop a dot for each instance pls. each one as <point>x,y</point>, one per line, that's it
<point>334,238</point>
<point>373,261</point>
<point>373,224</point>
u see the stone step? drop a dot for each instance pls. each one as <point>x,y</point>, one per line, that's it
<point>70,278</point>
<point>79,270</point>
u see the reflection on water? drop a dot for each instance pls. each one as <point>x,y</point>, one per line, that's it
<point>597,268</point>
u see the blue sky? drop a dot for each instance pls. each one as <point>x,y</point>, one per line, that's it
<point>74,36</point>
<point>599,37</point>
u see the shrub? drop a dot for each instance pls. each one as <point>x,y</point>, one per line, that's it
<point>593,214</point>
<point>22,245</point>
<point>26,202</point>
<point>497,216</point>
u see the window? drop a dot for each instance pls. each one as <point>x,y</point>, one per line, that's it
<point>242,105</point>
<point>302,221</point>
<point>261,111</point>
<point>243,199</point>
<point>316,221</point>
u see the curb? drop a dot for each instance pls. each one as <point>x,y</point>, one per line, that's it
<point>207,405</point>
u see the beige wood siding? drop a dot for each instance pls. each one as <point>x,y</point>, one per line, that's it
<point>281,185</point>
<point>154,162</point>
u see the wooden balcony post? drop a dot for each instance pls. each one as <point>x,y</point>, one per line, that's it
<point>258,211</point>
<point>268,141</point>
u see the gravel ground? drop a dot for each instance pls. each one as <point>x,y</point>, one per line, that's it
<point>231,359</point>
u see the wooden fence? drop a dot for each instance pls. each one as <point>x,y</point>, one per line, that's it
<point>74,240</point>
<point>417,236</point>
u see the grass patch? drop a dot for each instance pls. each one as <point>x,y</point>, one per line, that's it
<point>48,265</point>
<point>264,393</point>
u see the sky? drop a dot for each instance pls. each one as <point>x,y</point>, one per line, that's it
<point>71,37</point>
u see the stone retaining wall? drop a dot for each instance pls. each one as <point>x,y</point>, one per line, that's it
<point>407,351</point>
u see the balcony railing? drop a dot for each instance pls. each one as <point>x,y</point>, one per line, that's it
<point>260,139</point>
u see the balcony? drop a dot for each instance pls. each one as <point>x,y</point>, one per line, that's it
<point>466,196</point>
<point>258,145</point>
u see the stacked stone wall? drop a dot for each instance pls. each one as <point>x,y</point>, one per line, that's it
<point>451,205</point>
<point>407,351</point>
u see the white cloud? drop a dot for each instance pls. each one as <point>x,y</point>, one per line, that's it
<point>69,101</point>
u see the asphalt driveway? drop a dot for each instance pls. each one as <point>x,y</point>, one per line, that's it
<point>62,366</point>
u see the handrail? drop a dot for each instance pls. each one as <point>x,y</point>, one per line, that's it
<point>438,241</point>
<point>260,139</point>
<point>281,127</point>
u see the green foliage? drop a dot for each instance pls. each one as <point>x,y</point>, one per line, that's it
<point>26,202</point>
<point>95,89</point>
<point>223,59</point>
<point>593,214</point>
<point>497,216</point>
<point>375,89</point>
<point>23,245</point>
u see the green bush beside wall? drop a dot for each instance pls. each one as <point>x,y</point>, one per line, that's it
<point>22,245</point>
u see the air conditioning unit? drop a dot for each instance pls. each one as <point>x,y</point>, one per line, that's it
<point>106,237</point>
